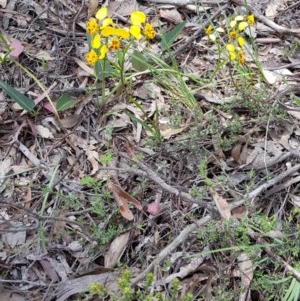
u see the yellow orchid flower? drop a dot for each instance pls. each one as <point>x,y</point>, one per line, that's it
<point>251,19</point>
<point>123,33</point>
<point>107,22</point>
<point>135,31</point>
<point>114,44</point>
<point>91,57</point>
<point>96,41</point>
<point>102,13</point>
<point>92,26</point>
<point>241,41</point>
<point>103,52</point>
<point>208,30</point>
<point>239,18</point>
<point>230,47</point>
<point>242,25</point>
<point>232,56</point>
<point>149,31</point>
<point>233,35</point>
<point>137,18</point>
<point>108,31</point>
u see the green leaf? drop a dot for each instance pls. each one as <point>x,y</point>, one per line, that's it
<point>25,102</point>
<point>65,102</point>
<point>168,38</point>
<point>103,69</point>
<point>138,61</point>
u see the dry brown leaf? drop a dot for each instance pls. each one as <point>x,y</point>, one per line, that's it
<point>116,250</point>
<point>44,56</point>
<point>236,152</point>
<point>246,271</point>
<point>84,66</point>
<point>272,8</point>
<point>3,3</point>
<point>69,121</point>
<point>123,8</point>
<point>122,198</point>
<point>171,15</point>
<point>92,7</point>
<point>264,153</point>
<point>44,132</point>
<point>186,270</point>
<point>222,205</point>
<point>244,154</point>
<point>125,195</point>
<point>92,157</point>
<point>28,198</point>
<point>17,238</point>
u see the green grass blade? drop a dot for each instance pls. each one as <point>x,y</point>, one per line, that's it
<point>25,102</point>
<point>169,37</point>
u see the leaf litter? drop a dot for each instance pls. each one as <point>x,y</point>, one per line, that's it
<point>147,230</point>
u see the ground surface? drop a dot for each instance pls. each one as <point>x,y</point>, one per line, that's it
<point>203,186</point>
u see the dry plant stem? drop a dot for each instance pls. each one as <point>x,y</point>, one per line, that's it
<point>265,20</point>
<point>198,32</point>
<point>253,194</point>
<point>82,284</point>
<point>269,251</point>
<point>171,247</point>
<point>284,185</point>
<point>291,65</point>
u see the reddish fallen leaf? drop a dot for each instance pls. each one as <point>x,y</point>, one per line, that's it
<point>122,198</point>
<point>17,49</point>
<point>154,208</point>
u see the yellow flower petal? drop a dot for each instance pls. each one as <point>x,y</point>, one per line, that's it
<point>220,29</point>
<point>92,26</point>
<point>149,31</point>
<point>91,57</point>
<point>243,25</point>
<point>241,41</point>
<point>108,31</point>
<point>208,30</point>
<point>103,52</point>
<point>242,59</point>
<point>230,47</point>
<point>233,35</point>
<point>212,37</point>
<point>239,18</point>
<point>232,56</point>
<point>107,22</point>
<point>114,44</point>
<point>137,18</point>
<point>123,33</point>
<point>251,19</point>
<point>232,23</point>
<point>135,31</point>
<point>96,41</point>
<point>101,13</point>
